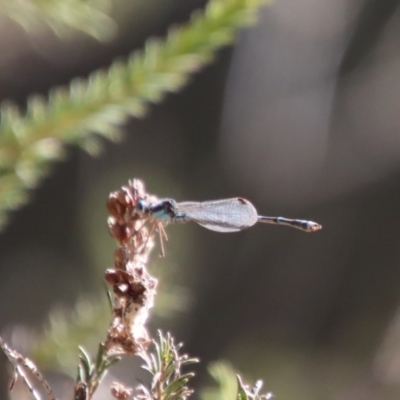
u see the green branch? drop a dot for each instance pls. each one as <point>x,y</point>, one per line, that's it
<point>95,107</point>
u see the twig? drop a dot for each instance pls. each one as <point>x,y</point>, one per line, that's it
<point>19,362</point>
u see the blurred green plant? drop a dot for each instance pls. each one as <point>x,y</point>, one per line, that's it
<point>66,329</point>
<point>57,345</point>
<point>92,108</point>
<point>230,385</point>
<point>226,380</point>
<point>89,16</point>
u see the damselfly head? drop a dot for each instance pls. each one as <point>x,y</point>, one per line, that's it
<point>141,207</point>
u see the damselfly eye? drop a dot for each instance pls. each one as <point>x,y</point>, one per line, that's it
<point>141,206</point>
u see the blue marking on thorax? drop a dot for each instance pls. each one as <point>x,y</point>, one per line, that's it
<point>161,215</point>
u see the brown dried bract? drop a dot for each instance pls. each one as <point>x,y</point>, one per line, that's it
<point>120,392</point>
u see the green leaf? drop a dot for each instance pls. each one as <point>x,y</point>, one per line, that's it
<point>190,361</point>
<point>81,374</point>
<point>111,362</point>
<point>156,364</point>
<point>178,383</point>
<point>157,356</point>
<point>99,357</point>
<point>110,299</point>
<point>85,361</point>
<point>170,368</point>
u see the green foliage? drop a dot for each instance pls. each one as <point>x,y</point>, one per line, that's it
<point>89,16</point>
<point>162,360</point>
<point>230,385</point>
<point>91,373</point>
<point>95,107</point>
<point>84,325</point>
<point>165,365</point>
<point>226,379</point>
<point>58,344</point>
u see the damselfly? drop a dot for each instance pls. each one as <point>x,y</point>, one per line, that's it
<point>227,215</point>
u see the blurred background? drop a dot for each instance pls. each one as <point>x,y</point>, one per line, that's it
<point>302,117</point>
